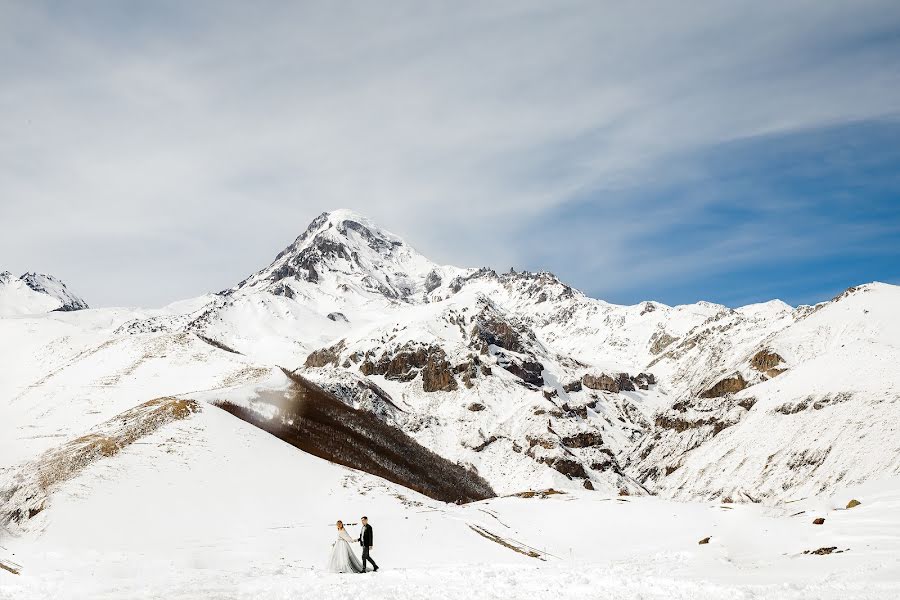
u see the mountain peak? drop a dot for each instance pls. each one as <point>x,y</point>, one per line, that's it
<point>345,250</point>
<point>33,293</point>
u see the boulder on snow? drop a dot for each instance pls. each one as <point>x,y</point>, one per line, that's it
<point>818,521</point>
<point>704,541</point>
<point>853,503</point>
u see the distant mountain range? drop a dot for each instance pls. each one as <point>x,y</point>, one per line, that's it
<point>518,379</point>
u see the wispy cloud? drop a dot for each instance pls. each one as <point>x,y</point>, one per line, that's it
<point>198,138</point>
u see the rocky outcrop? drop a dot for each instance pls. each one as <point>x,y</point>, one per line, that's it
<point>659,341</point>
<point>432,282</point>
<point>729,385</point>
<point>602,382</point>
<point>510,341</point>
<point>618,382</point>
<point>528,371</point>
<point>326,356</point>
<point>584,439</point>
<point>411,360</point>
<point>766,361</point>
<point>572,386</point>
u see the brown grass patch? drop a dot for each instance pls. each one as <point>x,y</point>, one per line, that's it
<point>28,496</point>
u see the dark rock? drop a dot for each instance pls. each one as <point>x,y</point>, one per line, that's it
<point>476,407</point>
<point>766,361</point>
<point>432,282</point>
<point>326,356</point>
<point>624,382</point>
<point>411,360</point>
<point>338,316</point>
<point>704,541</point>
<point>527,371</point>
<point>584,439</point>
<point>588,485</point>
<point>572,386</point>
<point>568,467</point>
<point>853,503</point>
<point>819,521</point>
<point>601,382</point>
<point>729,385</point>
<point>823,551</point>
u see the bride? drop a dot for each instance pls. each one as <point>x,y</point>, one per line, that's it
<point>342,559</point>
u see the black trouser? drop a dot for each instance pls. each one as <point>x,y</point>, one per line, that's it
<point>366,557</point>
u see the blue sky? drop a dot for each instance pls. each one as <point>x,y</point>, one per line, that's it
<point>798,216</point>
<point>729,151</point>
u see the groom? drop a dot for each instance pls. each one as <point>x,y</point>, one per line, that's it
<point>365,539</point>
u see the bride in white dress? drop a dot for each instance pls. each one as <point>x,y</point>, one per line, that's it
<point>342,559</point>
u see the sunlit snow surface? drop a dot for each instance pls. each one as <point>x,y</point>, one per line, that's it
<point>211,507</point>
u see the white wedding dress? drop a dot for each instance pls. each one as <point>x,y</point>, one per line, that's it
<point>342,559</point>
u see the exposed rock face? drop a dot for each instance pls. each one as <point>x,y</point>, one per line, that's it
<point>681,428</point>
<point>528,371</point>
<point>660,341</point>
<point>644,380</point>
<point>492,330</point>
<point>283,290</point>
<point>585,439</point>
<point>567,467</point>
<point>338,316</point>
<point>766,361</point>
<point>411,360</point>
<point>326,356</point>
<point>572,386</point>
<point>729,385</point>
<point>511,342</point>
<point>601,382</point>
<point>432,282</point>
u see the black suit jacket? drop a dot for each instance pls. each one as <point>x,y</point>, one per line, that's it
<point>365,536</point>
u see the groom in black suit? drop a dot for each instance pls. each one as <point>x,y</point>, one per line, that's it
<point>365,539</point>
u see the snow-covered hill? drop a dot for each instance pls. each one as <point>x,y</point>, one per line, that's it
<point>458,382</point>
<point>34,293</point>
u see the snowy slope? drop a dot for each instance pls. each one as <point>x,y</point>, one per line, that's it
<point>179,516</point>
<point>830,418</point>
<point>523,378</point>
<point>34,293</point>
<point>759,416</point>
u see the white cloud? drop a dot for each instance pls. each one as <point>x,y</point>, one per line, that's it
<point>197,139</point>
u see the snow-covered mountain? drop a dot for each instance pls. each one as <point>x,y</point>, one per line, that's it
<point>458,384</point>
<point>529,383</point>
<point>34,293</point>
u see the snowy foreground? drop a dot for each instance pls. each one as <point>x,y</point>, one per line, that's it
<point>209,507</point>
